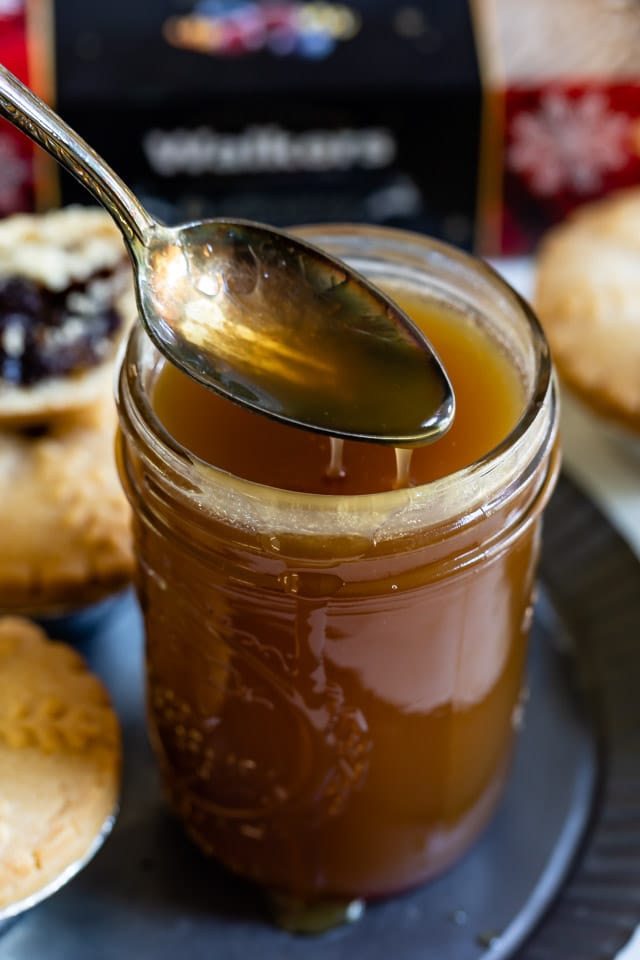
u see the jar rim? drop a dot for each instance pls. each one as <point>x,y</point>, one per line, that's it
<point>543,395</point>
<point>543,378</point>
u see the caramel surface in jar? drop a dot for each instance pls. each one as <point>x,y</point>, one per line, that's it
<point>334,664</point>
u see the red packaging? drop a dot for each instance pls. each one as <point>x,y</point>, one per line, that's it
<point>26,177</point>
<point>562,112</point>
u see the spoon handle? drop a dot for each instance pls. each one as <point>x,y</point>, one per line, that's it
<point>31,115</point>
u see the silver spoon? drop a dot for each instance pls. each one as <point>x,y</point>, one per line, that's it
<point>265,319</point>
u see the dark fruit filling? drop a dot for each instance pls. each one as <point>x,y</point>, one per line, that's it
<point>44,333</point>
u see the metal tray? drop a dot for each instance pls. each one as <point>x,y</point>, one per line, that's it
<point>556,874</point>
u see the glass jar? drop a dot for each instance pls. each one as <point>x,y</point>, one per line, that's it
<point>332,681</point>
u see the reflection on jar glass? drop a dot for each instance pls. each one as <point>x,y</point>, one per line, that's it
<point>334,665</point>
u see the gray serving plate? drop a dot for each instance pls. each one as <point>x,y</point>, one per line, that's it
<point>556,876</point>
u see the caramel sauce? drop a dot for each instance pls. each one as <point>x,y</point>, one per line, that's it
<point>333,716</point>
<point>403,468</point>
<point>335,470</point>
<point>488,403</point>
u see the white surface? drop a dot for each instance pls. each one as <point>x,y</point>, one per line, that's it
<point>605,466</point>
<point>632,949</point>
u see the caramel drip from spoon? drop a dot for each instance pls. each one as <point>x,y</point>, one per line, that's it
<point>336,470</point>
<point>403,467</point>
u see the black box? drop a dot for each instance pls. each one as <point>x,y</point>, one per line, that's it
<point>285,112</point>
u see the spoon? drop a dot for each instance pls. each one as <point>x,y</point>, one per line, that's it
<point>262,317</point>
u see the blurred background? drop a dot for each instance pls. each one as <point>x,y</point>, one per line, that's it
<point>479,121</point>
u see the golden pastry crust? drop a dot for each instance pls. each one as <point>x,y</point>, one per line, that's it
<point>588,300</point>
<point>60,759</point>
<point>56,250</point>
<point>59,247</point>
<point>64,521</point>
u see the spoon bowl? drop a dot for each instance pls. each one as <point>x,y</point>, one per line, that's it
<point>278,325</point>
<point>260,316</point>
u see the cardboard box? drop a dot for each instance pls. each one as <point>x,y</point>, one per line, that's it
<point>479,121</point>
<point>562,112</point>
<point>279,110</point>
<point>26,178</point>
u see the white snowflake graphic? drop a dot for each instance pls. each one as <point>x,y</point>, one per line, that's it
<point>14,173</point>
<point>569,143</point>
